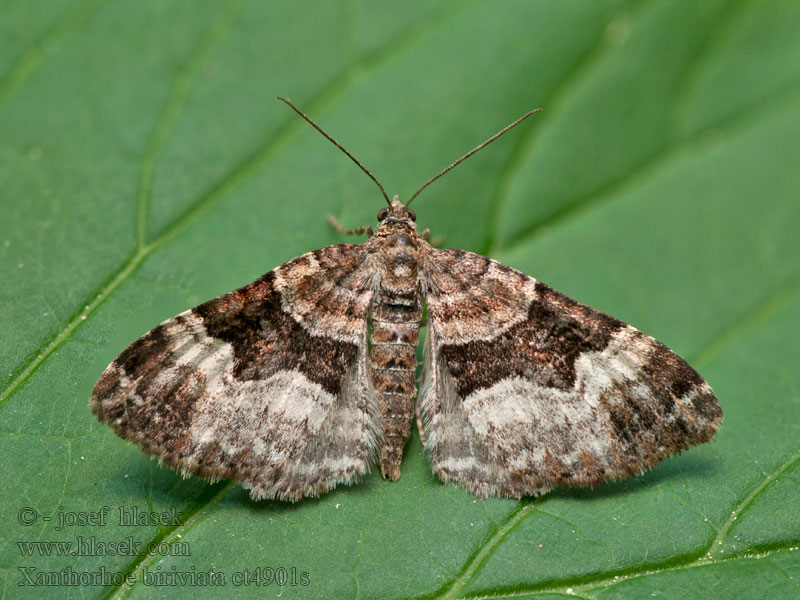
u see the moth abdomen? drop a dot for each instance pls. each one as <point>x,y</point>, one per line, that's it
<point>393,365</point>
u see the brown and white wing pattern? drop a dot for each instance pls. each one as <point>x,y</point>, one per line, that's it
<point>526,389</point>
<point>267,385</point>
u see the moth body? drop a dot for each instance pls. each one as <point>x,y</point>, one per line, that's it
<point>395,316</point>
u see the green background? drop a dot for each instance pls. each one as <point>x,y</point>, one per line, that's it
<point>145,167</point>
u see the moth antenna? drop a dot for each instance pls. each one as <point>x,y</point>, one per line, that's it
<point>339,146</point>
<point>473,151</point>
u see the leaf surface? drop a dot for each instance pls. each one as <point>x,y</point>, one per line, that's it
<point>145,167</point>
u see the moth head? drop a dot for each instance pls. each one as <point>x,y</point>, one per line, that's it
<point>396,211</point>
<point>396,215</point>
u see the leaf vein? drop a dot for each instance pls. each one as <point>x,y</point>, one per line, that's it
<point>730,126</point>
<point>748,501</point>
<point>579,585</point>
<point>176,101</point>
<point>169,536</point>
<point>585,64</point>
<point>45,46</point>
<point>484,552</point>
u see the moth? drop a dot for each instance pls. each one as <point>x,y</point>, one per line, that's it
<point>304,378</point>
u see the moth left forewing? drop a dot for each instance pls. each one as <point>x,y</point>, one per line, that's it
<point>527,389</point>
<point>266,385</point>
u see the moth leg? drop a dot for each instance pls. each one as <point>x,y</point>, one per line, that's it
<point>422,437</point>
<point>435,242</point>
<point>342,229</point>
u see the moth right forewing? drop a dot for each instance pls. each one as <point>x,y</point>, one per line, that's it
<point>552,391</point>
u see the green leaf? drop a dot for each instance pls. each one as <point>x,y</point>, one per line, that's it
<point>145,167</point>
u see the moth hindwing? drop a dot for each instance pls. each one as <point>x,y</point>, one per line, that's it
<point>304,378</point>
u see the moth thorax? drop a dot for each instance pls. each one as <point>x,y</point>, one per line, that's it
<point>401,264</point>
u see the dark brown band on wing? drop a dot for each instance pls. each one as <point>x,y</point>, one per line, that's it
<point>543,348</point>
<point>265,339</point>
